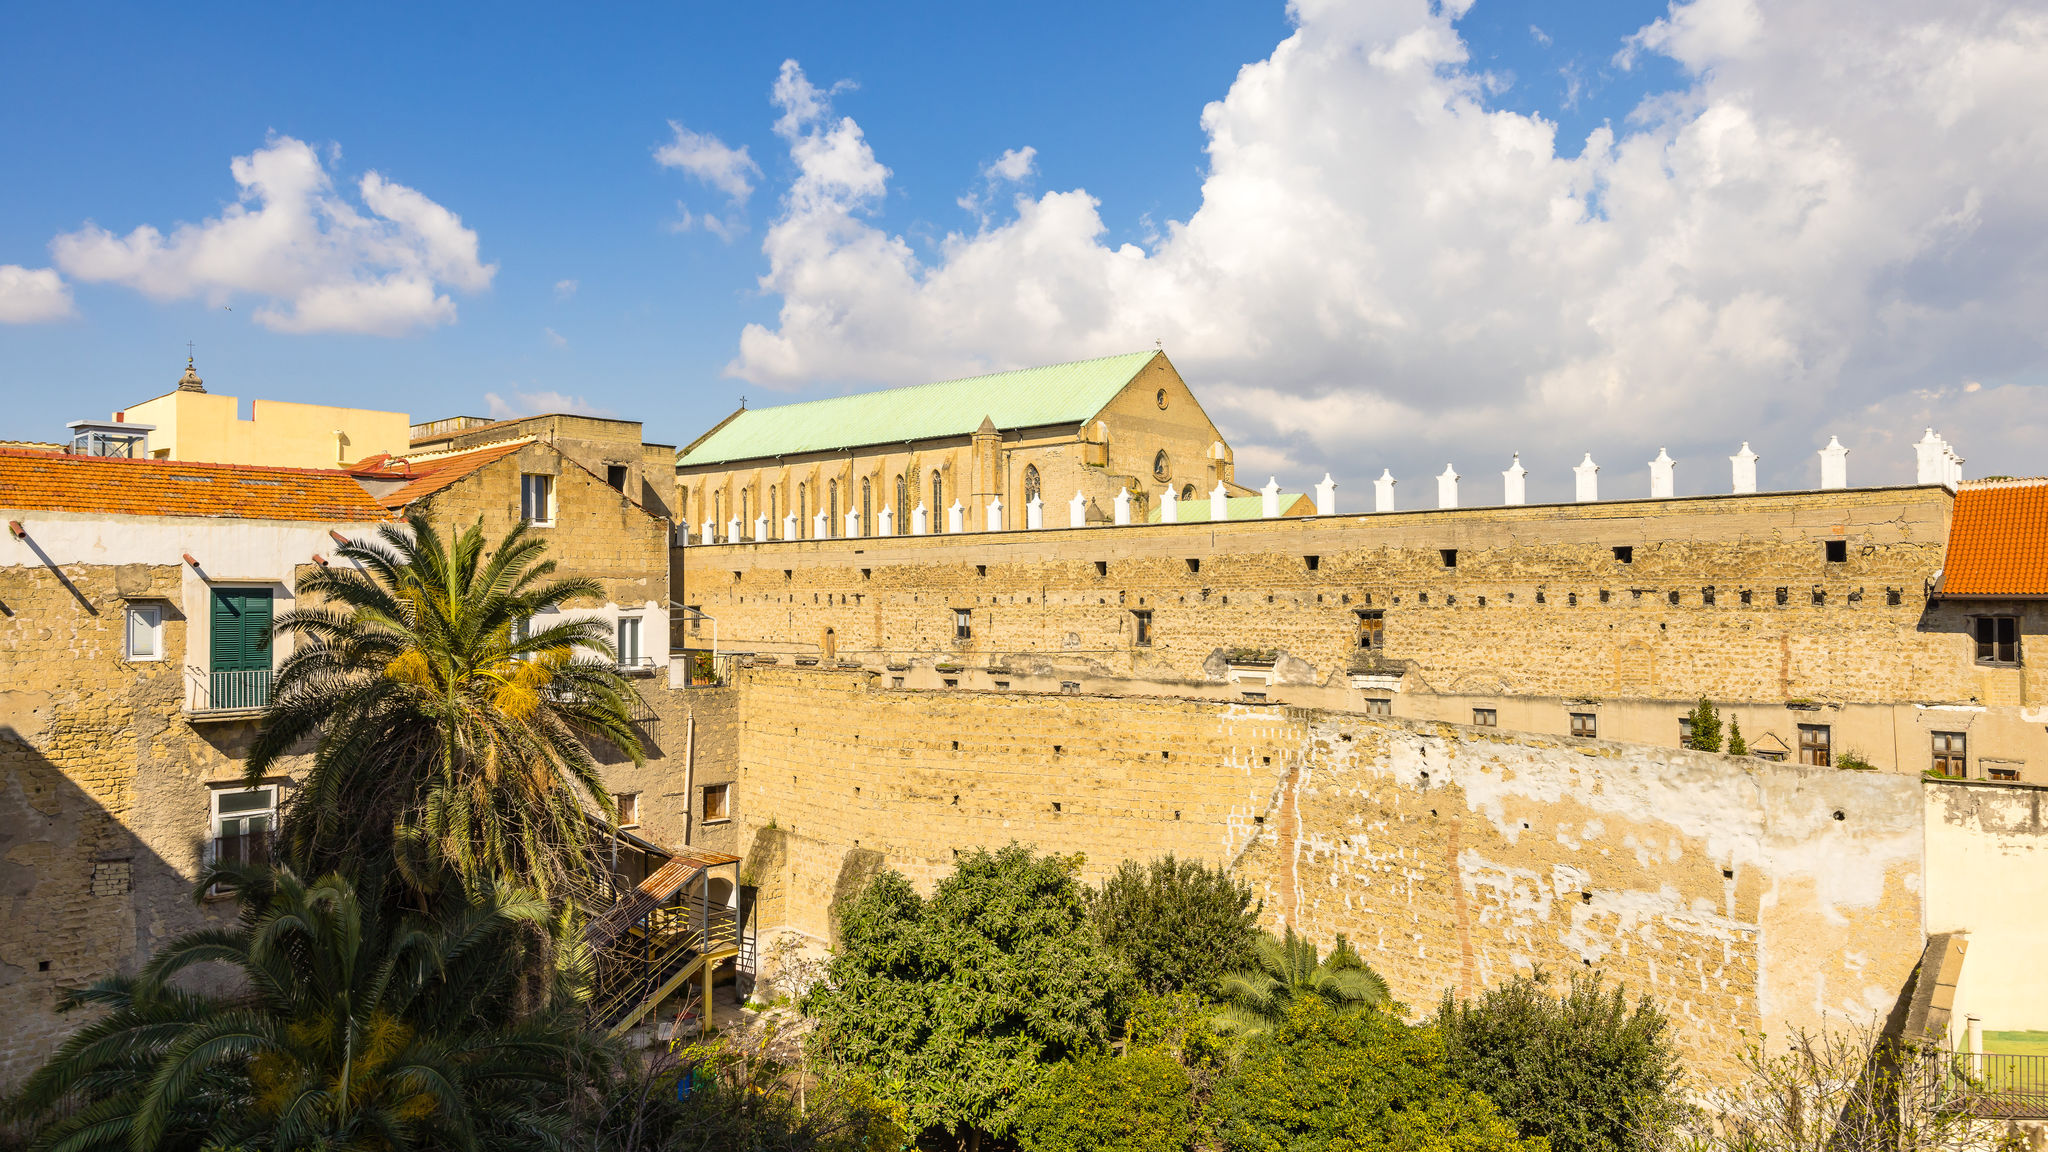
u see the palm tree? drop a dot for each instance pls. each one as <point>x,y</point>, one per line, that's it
<point>1284,969</point>
<point>452,735</point>
<point>352,1031</point>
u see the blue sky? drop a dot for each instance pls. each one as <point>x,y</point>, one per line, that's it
<point>538,128</point>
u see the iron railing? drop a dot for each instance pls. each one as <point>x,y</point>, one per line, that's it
<point>703,668</point>
<point>642,963</point>
<point>1996,1084</point>
<point>212,691</point>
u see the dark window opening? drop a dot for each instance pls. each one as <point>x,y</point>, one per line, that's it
<point>963,624</point>
<point>615,475</point>
<point>1450,556</point>
<point>1892,597</point>
<point>1674,599</point>
<point>1313,562</point>
<point>1784,596</point>
<point>1998,639</point>
<point>1625,553</point>
<point>1744,597</point>
<point>1194,565</point>
<point>1102,567</point>
<point>1603,595</point>
<point>1707,597</point>
<point>1142,622</point>
<point>1837,551</point>
<point>1372,628</point>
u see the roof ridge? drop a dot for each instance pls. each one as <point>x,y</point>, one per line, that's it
<point>447,454</point>
<point>901,388</point>
<point>2005,482</point>
<point>151,461</point>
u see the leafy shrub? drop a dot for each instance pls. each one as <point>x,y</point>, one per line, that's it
<point>1286,969</point>
<point>1706,726</point>
<point>1583,1069</point>
<point>1327,1080</point>
<point>1737,746</point>
<point>1134,1103</point>
<point>1177,924</point>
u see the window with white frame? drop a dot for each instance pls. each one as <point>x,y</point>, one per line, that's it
<point>145,632</point>
<point>242,822</point>
<point>629,641</point>
<point>537,498</point>
<point>717,803</point>
<point>629,808</point>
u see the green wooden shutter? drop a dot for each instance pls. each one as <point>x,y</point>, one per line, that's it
<point>239,643</point>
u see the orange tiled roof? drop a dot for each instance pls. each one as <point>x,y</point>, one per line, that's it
<point>1998,540</point>
<point>58,482</point>
<point>426,477</point>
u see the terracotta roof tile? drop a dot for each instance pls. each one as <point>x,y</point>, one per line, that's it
<point>426,477</point>
<point>58,482</point>
<point>1998,540</point>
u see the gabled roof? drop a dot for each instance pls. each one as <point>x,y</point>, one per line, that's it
<point>423,476</point>
<point>1026,398</point>
<point>1239,508</point>
<point>1998,541</point>
<point>58,482</point>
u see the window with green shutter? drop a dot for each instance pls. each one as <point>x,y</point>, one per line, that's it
<point>238,672</point>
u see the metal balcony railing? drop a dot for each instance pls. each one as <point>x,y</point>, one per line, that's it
<point>1995,1084</point>
<point>211,692</point>
<point>635,665</point>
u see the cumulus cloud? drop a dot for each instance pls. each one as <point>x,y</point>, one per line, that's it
<point>711,160</point>
<point>1014,166</point>
<point>535,403</point>
<point>1844,207</point>
<point>321,263</point>
<point>32,295</point>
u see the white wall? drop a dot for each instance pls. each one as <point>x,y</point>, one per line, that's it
<point>1987,875</point>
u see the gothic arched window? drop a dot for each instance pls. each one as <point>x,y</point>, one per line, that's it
<point>902,499</point>
<point>867,507</point>
<point>1161,466</point>
<point>772,504</point>
<point>743,507</point>
<point>803,510</point>
<point>832,509</point>
<point>1187,492</point>
<point>938,509</point>
<point>1030,483</point>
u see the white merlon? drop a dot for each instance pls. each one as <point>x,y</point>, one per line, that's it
<point>1834,465</point>
<point>1447,488</point>
<point>732,531</point>
<point>820,526</point>
<point>920,521</point>
<point>1034,514</point>
<point>852,524</point>
<point>1077,511</point>
<point>1219,502</point>
<point>789,526</point>
<point>1745,470</point>
<point>1937,460</point>
<point>1515,483</point>
<point>994,513</point>
<point>1663,481</point>
<point>1169,507</point>
<point>956,518</point>
<point>885,522</point>
<point>1269,499</point>
<point>1123,506</point>
<point>1326,496</point>
<point>1588,476</point>
<point>710,533</point>
<point>1383,491</point>
<point>760,528</point>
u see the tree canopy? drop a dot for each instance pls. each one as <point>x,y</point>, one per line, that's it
<point>1286,969</point>
<point>1176,924</point>
<point>959,1005</point>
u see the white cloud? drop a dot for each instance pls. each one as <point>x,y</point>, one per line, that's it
<point>32,295</point>
<point>555,339</point>
<point>322,264</point>
<point>564,289</point>
<point>536,403</point>
<point>1014,166</point>
<point>1848,201</point>
<point>711,160</point>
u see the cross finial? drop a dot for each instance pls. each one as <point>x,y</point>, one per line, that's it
<point>743,401</point>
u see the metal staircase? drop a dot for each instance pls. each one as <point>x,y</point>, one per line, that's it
<point>678,924</point>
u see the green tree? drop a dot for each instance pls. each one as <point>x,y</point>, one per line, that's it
<point>1706,726</point>
<point>350,1032</point>
<point>450,736</point>
<point>1737,746</point>
<point>959,1005</point>
<point>1329,1080</point>
<point>1584,1069</point>
<point>1139,1102</point>
<point>1177,924</point>
<point>1286,969</point>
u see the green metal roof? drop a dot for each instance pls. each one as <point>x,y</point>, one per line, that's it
<point>1025,398</point>
<point>1196,511</point>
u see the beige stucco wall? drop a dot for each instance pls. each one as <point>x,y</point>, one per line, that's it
<point>1453,856</point>
<point>204,426</point>
<point>1987,876</point>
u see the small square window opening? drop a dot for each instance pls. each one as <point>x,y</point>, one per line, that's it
<point>615,475</point>
<point>1816,745</point>
<point>1624,553</point>
<point>1952,755</point>
<point>1450,556</point>
<point>1378,706</point>
<point>1998,639</point>
<point>717,803</point>
<point>629,809</point>
<point>1585,724</point>
<point>1837,551</point>
<point>1485,718</point>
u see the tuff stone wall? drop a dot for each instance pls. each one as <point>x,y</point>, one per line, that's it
<point>1453,856</point>
<point>1526,610</point>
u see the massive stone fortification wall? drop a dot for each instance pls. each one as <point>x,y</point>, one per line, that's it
<point>1528,611</point>
<point>1744,895</point>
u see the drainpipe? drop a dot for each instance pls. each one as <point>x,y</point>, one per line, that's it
<point>689,775</point>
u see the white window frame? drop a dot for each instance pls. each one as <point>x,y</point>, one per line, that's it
<point>725,790</point>
<point>154,613</point>
<point>526,502</point>
<point>628,804</point>
<point>620,629</point>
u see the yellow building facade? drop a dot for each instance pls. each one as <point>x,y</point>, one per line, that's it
<point>191,423</point>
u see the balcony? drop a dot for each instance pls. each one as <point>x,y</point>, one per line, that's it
<point>635,665</point>
<point>213,696</point>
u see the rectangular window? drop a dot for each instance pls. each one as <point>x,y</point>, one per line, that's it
<point>537,498</point>
<point>1998,639</point>
<point>2001,773</point>
<point>242,820</point>
<point>696,614</point>
<point>1952,755</point>
<point>1816,745</point>
<point>1372,628</point>
<point>629,809</point>
<point>1142,623</point>
<point>1585,724</point>
<point>717,803</point>
<point>615,475</point>
<point>1837,551</point>
<point>1485,718</point>
<point>145,632</point>
<point>238,669</point>
<point>629,642</point>
<point>1378,706</point>
<point>963,624</point>
<point>1685,731</point>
